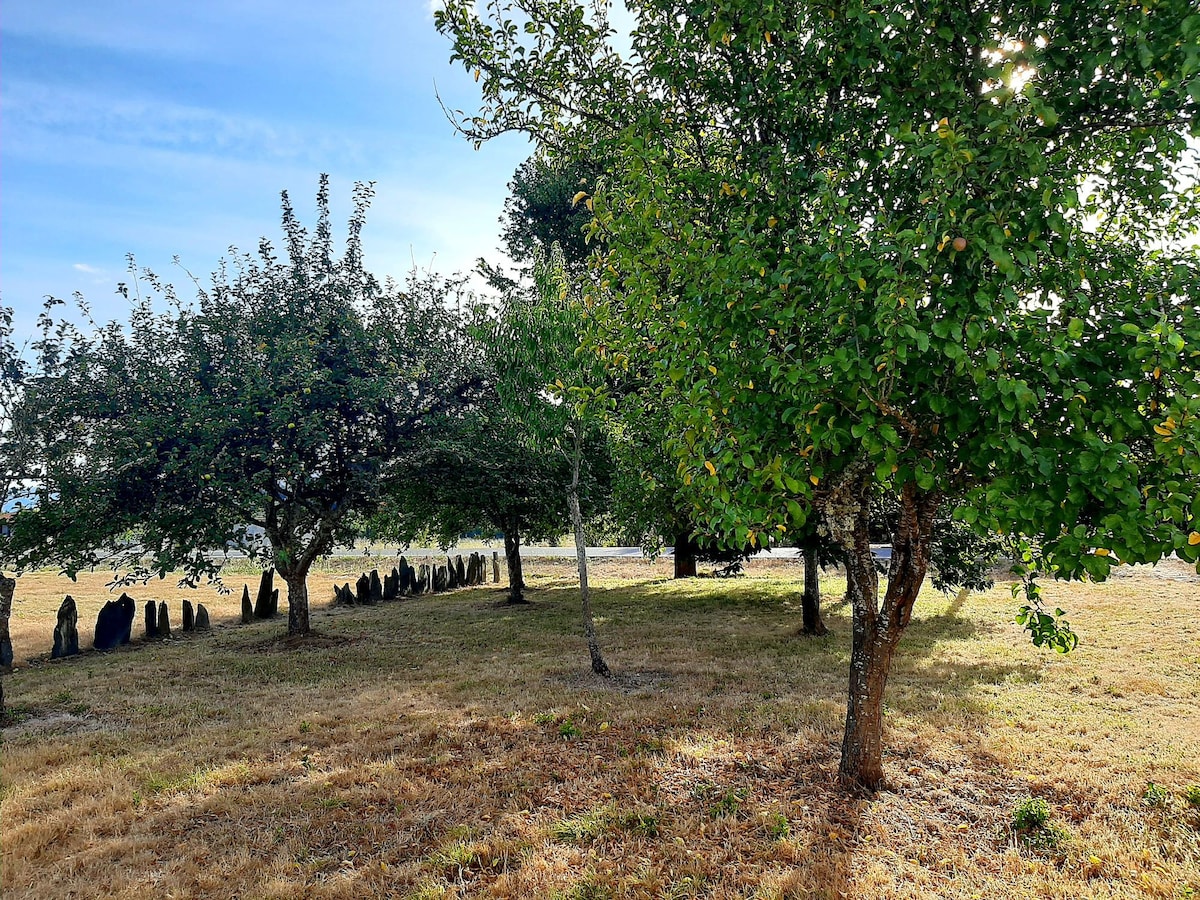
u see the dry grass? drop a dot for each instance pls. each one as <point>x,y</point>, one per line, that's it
<point>452,747</point>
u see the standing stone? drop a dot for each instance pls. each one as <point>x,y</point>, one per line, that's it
<point>274,603</point>
<point>189,616</point>
<point>164,620</point>
<point>495,567</point>
<point>374,588</point>
<point>406,576</point>
<point>362,589</point>
<point>451,574</point>
<point>151,620</point>
<point>460,571</point>
<point>263,600</point>
<point>420,585</point>
<point>114,623</point>
<point>247,606</point>
<point>202,621</point>
<point>7,587</point>
<point>66,632</point>
<point>391,585</point>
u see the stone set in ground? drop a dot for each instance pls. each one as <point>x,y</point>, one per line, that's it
<point>409,581</point>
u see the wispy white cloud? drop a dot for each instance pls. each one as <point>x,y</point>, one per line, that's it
<point>86,269</point>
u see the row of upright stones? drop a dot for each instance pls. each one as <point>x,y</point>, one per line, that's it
<point>406,580</point>
<point>114,623</point>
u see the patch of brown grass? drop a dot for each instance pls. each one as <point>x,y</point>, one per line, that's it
<point>451,747</point>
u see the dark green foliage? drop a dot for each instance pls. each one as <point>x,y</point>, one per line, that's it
<point>284,399</point>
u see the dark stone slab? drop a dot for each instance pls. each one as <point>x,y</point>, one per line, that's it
<point>362,589</point>
<point>274,607</point>
<point>495,567</point>
<point>189,616</point>
<point>247,606</point>
<point>451,574</point>
<point>151,619</point>
<point>374,588</point>
<point>164,620</point>
<point>460,570</point>
<point>391,586</point>
<point>66,632</point>
<point>202,620</point>
<point>114,623</point>
<point>265,605</point>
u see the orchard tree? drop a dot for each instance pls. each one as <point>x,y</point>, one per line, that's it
<point>480,471</point>
<point>935,253</point>
<point>282,401</point>
<point>558,392</point>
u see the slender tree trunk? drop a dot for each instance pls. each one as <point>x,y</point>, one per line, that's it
<point>685,555</point>
<point>599,666</point>
<point>512,557</point>
<point>810,600</point>
<point>297,585</point>
<point>878,625</point>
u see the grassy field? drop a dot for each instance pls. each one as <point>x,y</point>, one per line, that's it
<point>450,746</point>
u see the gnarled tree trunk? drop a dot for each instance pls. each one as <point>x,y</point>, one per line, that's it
<point>878,622</point>
<point>512,557</point>
<point>297,587</point>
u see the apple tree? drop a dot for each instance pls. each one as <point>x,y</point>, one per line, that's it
<point>938,253</point>
<point>268,416</point>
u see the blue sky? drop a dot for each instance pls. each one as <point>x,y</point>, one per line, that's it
<point>163,128</point>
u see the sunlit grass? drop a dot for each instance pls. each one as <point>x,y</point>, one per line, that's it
<point>451,746</point>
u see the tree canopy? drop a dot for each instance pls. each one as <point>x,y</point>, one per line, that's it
<point>934,252</point>
<point>268,416</point>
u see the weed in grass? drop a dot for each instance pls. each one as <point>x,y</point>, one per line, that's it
<point>1191,794</point>
<point>1032,826</point>
<point>728,804</point>
<point>594,824</point>
<point>569,729</point>
<point>305,727</point>
<point>778,828</point>
<point>1155,795</point>
<point>1030,814</point>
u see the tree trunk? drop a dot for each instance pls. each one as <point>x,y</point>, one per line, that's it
<point>297,585</point>
<point>512,557</point>
<point>599,666</point>
<point>877,626</point>
<point>810,600</point>
<point>685,555</point>
<point>7,587</point>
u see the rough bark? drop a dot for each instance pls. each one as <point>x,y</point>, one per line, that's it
<point>7,587</point>
<point>685,556</point>
<point>512,557</point>
<point>599,666</point>
<point>878,622</point>
<point>810,600</point>
<point>297,586</point>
